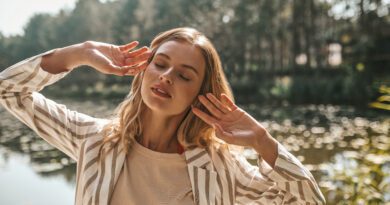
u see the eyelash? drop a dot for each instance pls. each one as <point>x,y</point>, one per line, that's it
<point>181,76</point>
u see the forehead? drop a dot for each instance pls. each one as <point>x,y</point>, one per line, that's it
<point>183,53</point>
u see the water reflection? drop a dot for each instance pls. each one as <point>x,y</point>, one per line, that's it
<point>20,184</point>
<point>324,138</point>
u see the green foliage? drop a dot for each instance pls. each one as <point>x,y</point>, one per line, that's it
<point>258,42</point>
<point>383,102</point>
<point>360,177</point>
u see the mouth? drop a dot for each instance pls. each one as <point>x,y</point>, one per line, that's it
<point>160,93</point>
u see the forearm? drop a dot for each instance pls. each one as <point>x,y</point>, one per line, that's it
<point>64,59</point>
<point>266,146</point>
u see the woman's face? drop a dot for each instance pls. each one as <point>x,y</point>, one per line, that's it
<point>173,78</point>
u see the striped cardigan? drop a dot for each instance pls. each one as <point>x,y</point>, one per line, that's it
<point>218,175</point>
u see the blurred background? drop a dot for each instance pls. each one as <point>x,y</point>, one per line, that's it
<point>316,73</point>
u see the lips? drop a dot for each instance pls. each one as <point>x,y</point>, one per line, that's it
<point>161,91</point>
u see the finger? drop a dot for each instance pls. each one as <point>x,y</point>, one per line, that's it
<point>134,70</point>
<point>223,108</point>
<point>103,64</point>
<point>229,103</point>
<point>203,116</point>
<point>137,52</point>
<point>223,135</point>
<point>210,107</point>
<point>129,46</point>
<point>139,59</point>
<point>115,70</point>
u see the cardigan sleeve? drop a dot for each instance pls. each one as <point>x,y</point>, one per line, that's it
<point>289,182</point>
<point>19,94</point>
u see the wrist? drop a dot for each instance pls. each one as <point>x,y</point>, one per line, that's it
<point>78,56</point>
<point>266,146</point>
<point>261,135</point>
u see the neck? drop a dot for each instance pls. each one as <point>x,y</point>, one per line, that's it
<point>160,131</point>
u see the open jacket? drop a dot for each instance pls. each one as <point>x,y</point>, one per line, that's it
<point>217,175</point>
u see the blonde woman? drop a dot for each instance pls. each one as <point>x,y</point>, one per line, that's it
<point>175,139</point>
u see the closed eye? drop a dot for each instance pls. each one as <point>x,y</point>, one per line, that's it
<point>184,78</point>
<point>159,65</point>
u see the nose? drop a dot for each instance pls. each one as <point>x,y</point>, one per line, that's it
<point>166,77</point>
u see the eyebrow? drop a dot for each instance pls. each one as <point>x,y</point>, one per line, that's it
<point>183,65</point>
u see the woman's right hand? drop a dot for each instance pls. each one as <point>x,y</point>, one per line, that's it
<point>116,60</point>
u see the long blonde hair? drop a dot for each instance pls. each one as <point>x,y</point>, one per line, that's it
<point>192,132</point>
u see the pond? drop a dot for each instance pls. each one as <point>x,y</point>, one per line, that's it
<point>346,149</point>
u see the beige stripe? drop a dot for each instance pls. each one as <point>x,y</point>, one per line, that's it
<point>314,190</point>
<point>294,199</point>
<point>24,90</point>
<point>10,77</point>
<point>95,159</point>
<point>75,122</point>
<point>272,197</point>
<point>228,178</point>
<point>19,101</point>
<point>59,123</point>
<point>197,156</point>
<point>244,172</point>
<point>90,201</point>
<point>40,129</point>
<point>44,81</point>
<point>248,196</point>
<point>31,76</point>
<point>204,165</point>
<point>80,160</point>
<point>103,170</point>
<point>60,135</point>
<point>288,172</point>
<point>61,111</point>
<point>281,173</point>
<point>196,194</point>
<point>92,146</point>
<point>64,140</point>
<point>9,87</point>
<point>287,186</point>
<point>207,183</point>
<point>113,166</point>
<point>220,188</point>
<point>247,188</point>
<point>80,124</point>
<point>91,162</point>
<point>90,180</point>
<point>273,190</point>
<point>290,161</point>
<point>300,190</point>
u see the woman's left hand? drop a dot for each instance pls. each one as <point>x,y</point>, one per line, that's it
<point>231,123</point>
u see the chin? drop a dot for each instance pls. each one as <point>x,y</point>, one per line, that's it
<point>167,110</point>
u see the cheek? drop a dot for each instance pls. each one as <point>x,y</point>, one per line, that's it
<point>189,93</point>
<point>149,74</point>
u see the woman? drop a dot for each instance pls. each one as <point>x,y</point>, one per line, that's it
<point>174,139</point>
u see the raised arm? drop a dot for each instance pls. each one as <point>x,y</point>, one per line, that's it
<point>279,177</point>
<point>105,58</point>
<point>64,129</point>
